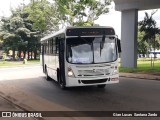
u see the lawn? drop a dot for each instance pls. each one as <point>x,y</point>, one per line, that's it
<point>144,66</point>
<point>18,63</point>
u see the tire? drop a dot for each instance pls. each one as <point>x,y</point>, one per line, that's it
<point>60,81</point>
<point>62,86</point>
<point>101,86</point>
<point>47,77</point>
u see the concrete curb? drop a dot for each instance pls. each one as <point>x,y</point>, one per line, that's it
<point>30,102</point>
<point>140,76</point>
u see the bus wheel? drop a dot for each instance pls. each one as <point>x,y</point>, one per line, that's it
<point>60,81</point>
<point>46,72</point>
<point>101,86</point>
<point>62,86</point>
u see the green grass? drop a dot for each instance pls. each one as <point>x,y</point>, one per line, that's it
<point>33,61</point>
<point>144,66</point>
<point>18,63</point>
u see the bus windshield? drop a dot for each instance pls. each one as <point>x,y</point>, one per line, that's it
<point>81,50</point>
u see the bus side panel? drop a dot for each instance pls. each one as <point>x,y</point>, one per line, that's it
<point>51,67</point>
<point>57,66</point>
<point>42,58</point>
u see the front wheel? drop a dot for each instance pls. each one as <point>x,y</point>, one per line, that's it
<point>62,86</point>
<point>60,81</point>
<point>101,86</point>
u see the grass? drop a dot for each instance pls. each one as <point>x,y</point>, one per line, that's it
<point>144,66</point>
<point>18,63</point>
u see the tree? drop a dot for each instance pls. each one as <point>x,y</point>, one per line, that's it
<point>7,33</point>
<point>142,45</point>
<point>43,15</point>
<point>148,26</point>
<point>80,12</point>
<point>17,33</point>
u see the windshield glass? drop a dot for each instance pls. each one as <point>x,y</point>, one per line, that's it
<point>91,50</point>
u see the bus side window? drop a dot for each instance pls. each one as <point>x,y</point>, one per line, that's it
<point>57,46</point>
<point>45,48</point>
<point>42,49</point>
<point>47,45</point>
<point>52,46</point>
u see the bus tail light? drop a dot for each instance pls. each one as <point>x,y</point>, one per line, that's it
<point>70,72</point>
<point>115,79</point>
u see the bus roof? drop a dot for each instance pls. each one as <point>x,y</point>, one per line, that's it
<point>64,31</point>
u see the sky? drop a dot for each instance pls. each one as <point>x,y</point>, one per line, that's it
<point>113,18</point>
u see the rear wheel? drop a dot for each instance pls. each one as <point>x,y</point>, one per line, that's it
<point>101,86</point>
<point>46,72</point>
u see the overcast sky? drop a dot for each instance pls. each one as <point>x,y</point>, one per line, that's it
<point>113,18</point>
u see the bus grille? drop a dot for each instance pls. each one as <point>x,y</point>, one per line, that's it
<point>93,81</point>
<point>94,72</point>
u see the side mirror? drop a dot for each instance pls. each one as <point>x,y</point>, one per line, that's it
<point>119,45</point>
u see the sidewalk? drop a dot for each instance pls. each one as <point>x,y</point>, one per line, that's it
<point>8,106</point>
<point>140,76</point>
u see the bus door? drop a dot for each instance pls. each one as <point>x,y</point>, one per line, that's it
<point>61,61</point>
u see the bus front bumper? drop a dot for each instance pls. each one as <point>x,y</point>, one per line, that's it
<point>71,81</point>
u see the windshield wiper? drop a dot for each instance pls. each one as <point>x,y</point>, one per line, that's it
<point>102,44</point>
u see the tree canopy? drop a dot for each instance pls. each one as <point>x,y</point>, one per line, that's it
<point>28,23</point>
<point>150,32</point>
<point>81,12</point>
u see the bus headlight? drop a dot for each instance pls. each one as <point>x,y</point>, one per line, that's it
<point>70,72</point>
<point>115,71</point>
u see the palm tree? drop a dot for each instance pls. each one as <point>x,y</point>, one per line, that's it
<point>148,26</point>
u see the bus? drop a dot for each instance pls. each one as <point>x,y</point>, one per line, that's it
<point>81,56</point>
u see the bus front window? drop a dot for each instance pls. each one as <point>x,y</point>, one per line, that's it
<point>90,50</point>
<point>79,51</point>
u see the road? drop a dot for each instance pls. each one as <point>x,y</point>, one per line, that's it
<point>128,95</point>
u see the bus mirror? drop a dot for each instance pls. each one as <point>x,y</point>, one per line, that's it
<point>119,45</point>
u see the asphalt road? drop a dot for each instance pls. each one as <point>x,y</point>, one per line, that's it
<point>128,95</point>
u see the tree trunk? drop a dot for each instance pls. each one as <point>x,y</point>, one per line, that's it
<point>154,51</point>
<point>13,54</point>
<point>28,55</point>
<point>24,52</point>
<point>151,57</point>
<point>19,53</point>
<point>35,55</point>
<point>31,55</point>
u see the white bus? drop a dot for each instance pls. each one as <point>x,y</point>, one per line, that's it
<point>81,56</point>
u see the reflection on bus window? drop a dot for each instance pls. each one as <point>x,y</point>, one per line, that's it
<point>89,50</point>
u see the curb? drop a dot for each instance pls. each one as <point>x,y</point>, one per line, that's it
<point>141,76</point>
<point>11,100</point>
<point>29,102</point>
